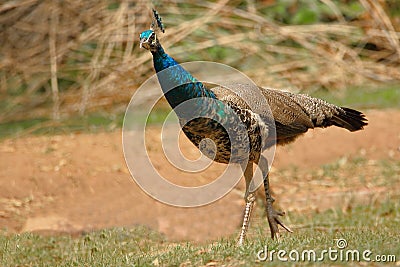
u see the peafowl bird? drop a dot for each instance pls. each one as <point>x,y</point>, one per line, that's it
<point>292,115</point>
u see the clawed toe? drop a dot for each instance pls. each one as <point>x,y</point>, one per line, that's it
<point>274,221</point>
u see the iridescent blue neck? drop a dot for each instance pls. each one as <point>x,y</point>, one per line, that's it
<point>162,60</point>
<point>173,76</point>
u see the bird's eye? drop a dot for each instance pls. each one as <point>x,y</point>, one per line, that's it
<point>152,38</point>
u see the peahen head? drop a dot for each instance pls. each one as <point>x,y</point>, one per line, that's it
<point>149,41</point>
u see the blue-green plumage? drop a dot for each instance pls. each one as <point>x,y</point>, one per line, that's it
<point>178,84</point>
<point>204,116</point>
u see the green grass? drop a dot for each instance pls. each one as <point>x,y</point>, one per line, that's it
<point>94,122</point>
<point>375,98</point>
<point>15,127</point>
<point>373,228</point>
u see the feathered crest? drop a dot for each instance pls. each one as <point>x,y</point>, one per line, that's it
<point>156,24</point>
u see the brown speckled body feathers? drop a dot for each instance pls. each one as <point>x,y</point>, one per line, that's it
<point>293,113</point>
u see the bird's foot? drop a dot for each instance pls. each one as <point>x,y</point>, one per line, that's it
<point>274,220</point>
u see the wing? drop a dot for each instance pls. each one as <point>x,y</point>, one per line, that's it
<point>293,114</point>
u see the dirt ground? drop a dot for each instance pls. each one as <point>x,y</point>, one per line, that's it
<point>79,182</point>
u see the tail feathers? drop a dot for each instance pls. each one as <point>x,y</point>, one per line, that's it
<point>350,119</point>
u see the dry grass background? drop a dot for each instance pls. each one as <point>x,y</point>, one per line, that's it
<point>60,58</point>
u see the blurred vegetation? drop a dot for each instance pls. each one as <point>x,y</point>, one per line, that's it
<point>63,58</point>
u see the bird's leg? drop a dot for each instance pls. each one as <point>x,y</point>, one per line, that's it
<point>249,197</point>
<point>272,214</point>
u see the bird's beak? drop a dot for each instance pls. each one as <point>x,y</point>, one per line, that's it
<point>141,43</point>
